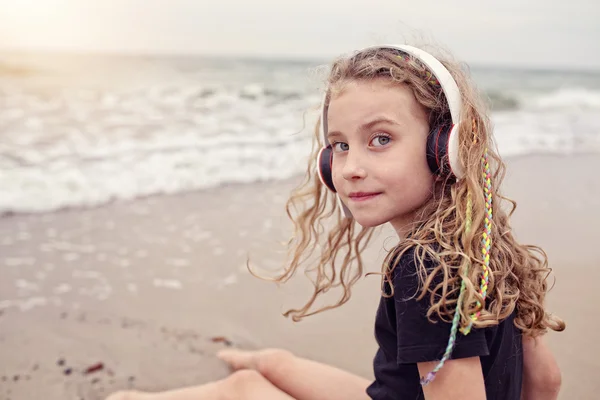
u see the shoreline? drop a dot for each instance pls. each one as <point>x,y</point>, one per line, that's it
<point>536,156</point>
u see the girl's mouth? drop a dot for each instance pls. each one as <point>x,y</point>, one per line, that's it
<point>363,196</point>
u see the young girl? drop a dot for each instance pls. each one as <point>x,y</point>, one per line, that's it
<point>405,139</point>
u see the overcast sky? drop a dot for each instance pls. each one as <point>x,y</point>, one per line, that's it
<point>508,32</point>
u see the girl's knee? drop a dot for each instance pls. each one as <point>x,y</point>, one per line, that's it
<point>243,377</point>
<point>273,361</point>
<point>240,383</point>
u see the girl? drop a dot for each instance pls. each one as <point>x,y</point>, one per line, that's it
<point>405,139</point>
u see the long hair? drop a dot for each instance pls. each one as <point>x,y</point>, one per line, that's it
<point>517,272</point>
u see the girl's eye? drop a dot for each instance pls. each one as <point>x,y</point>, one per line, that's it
<point>340,146</point>
<point>380,140</point>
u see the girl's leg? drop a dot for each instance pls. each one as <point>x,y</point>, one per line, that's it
<point>242,385</point>
<point>300,378</point>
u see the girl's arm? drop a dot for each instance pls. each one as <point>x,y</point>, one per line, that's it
<point>459,379</point>
<point>541,375</point>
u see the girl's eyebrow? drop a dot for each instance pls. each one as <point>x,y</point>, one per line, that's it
<point>367,125</point>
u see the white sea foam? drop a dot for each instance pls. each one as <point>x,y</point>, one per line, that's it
<point>214,123</point>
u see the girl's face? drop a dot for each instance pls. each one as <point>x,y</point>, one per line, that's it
<point>379,132</point>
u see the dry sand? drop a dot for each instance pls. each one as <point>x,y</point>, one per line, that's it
<point>153,288</point>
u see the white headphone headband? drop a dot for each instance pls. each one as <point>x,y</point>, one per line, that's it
<point>447,82</point>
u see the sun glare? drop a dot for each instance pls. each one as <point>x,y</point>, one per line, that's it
<point>34,23</point>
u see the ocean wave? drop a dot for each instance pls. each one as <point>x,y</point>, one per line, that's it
<point>92,180</point>
<point>571,98</point>
<point>566,99</point>
<point>68,144</point>
<point>501,101</point>
<point>39,182</point>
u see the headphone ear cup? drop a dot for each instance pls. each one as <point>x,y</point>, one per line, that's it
<point>324,162</point>
<point>437,150</point>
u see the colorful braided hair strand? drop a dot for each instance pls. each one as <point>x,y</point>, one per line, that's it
<point>486,242</point>
<point>485,251</point>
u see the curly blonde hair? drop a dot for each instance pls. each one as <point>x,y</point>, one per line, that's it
<point>518,272</point>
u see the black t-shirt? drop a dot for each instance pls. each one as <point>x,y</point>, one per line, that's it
<point>406,337</point>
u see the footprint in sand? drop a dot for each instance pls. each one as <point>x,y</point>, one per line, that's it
<point>141,254</point>
<point>18,261</point>
<point>178,262</point>
<point>71,257</point>
<point>23,236</point>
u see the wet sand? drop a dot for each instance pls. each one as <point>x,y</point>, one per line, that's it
<point>142,294</point>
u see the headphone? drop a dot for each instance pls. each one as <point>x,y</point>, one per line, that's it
<point>442,141</point>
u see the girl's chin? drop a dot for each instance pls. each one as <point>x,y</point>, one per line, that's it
<point>369,222</point>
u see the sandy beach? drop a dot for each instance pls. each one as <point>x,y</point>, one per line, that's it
<point>142,294</point>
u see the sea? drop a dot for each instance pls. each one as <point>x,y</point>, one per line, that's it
<point>84,130</point>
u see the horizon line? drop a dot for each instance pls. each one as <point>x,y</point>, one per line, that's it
<point>321,59</point>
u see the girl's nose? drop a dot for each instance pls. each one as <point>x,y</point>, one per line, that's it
<point>352,167</point>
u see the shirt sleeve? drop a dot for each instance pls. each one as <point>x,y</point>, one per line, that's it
<point>418,339</point>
